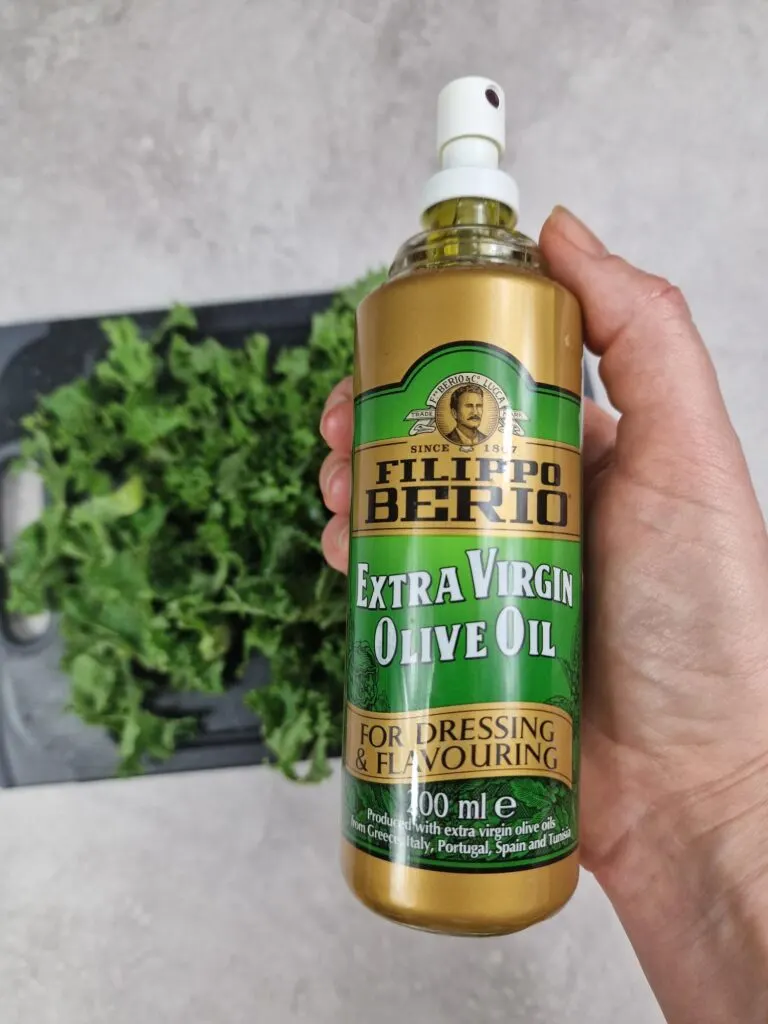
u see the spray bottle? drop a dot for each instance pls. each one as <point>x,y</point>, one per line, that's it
<point>461,733</point>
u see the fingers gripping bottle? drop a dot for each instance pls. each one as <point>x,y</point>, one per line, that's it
<point>463,684</point>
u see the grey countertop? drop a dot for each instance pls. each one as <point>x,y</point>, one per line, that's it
<point>153,150</point>
<point>217,897</point>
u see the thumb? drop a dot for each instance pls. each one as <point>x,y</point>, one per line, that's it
<point>654,365</point>
<point>653,359</point>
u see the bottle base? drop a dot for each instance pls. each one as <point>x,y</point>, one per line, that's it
<point>454,903</point>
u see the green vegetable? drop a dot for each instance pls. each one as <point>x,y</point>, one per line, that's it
<point>182,533</point>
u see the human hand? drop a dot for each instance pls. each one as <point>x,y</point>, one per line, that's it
<point>676,580</point>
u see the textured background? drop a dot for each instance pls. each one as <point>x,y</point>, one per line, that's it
<point>176,149</point>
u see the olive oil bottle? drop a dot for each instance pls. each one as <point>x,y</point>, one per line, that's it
<point>463,684</point>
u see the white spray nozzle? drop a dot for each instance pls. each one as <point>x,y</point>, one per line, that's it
<point>470,140</point>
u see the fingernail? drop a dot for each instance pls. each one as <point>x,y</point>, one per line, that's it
<point>577,232</point>
<point>324,423</point>
<point>334,399</point>
<point>328,487</point>
<point>332,403</point>
<point>344,537</point>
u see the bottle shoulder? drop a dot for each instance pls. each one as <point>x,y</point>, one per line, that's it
<point>508,257</point>
<point>468,245</point>
<point>461,249</point>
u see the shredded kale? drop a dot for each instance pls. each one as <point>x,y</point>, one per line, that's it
<point>182,533</point>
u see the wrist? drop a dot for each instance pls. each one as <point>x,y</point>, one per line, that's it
<point>690,885</point>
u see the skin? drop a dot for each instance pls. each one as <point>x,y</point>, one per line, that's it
<point>469,413</point>
<point>675,743</point>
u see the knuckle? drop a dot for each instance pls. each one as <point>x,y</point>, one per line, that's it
<point>667,300</point>
<point>653,291</point>
<point>614,264</point>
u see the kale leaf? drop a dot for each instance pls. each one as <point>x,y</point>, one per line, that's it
<point>182,533</point>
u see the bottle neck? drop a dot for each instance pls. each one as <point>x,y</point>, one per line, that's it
<point>468,212</point>
<point>468,232</point>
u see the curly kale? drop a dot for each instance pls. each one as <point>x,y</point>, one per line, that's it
<point>182,532</point>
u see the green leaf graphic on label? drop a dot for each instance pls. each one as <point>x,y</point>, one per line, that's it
<point>363,675</point>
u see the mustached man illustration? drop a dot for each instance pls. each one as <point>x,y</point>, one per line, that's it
<point>467,410</point>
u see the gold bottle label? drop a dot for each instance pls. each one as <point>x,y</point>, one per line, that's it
<point>461,733</point>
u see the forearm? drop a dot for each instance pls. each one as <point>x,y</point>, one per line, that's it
<point>690,885</point>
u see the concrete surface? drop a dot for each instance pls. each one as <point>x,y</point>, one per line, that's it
<point>161,149</point>
<point>216,898</point>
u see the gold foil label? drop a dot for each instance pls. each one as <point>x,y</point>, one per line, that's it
<point>470,741</point>
<point>540,325</point>
<point>531,488</point>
